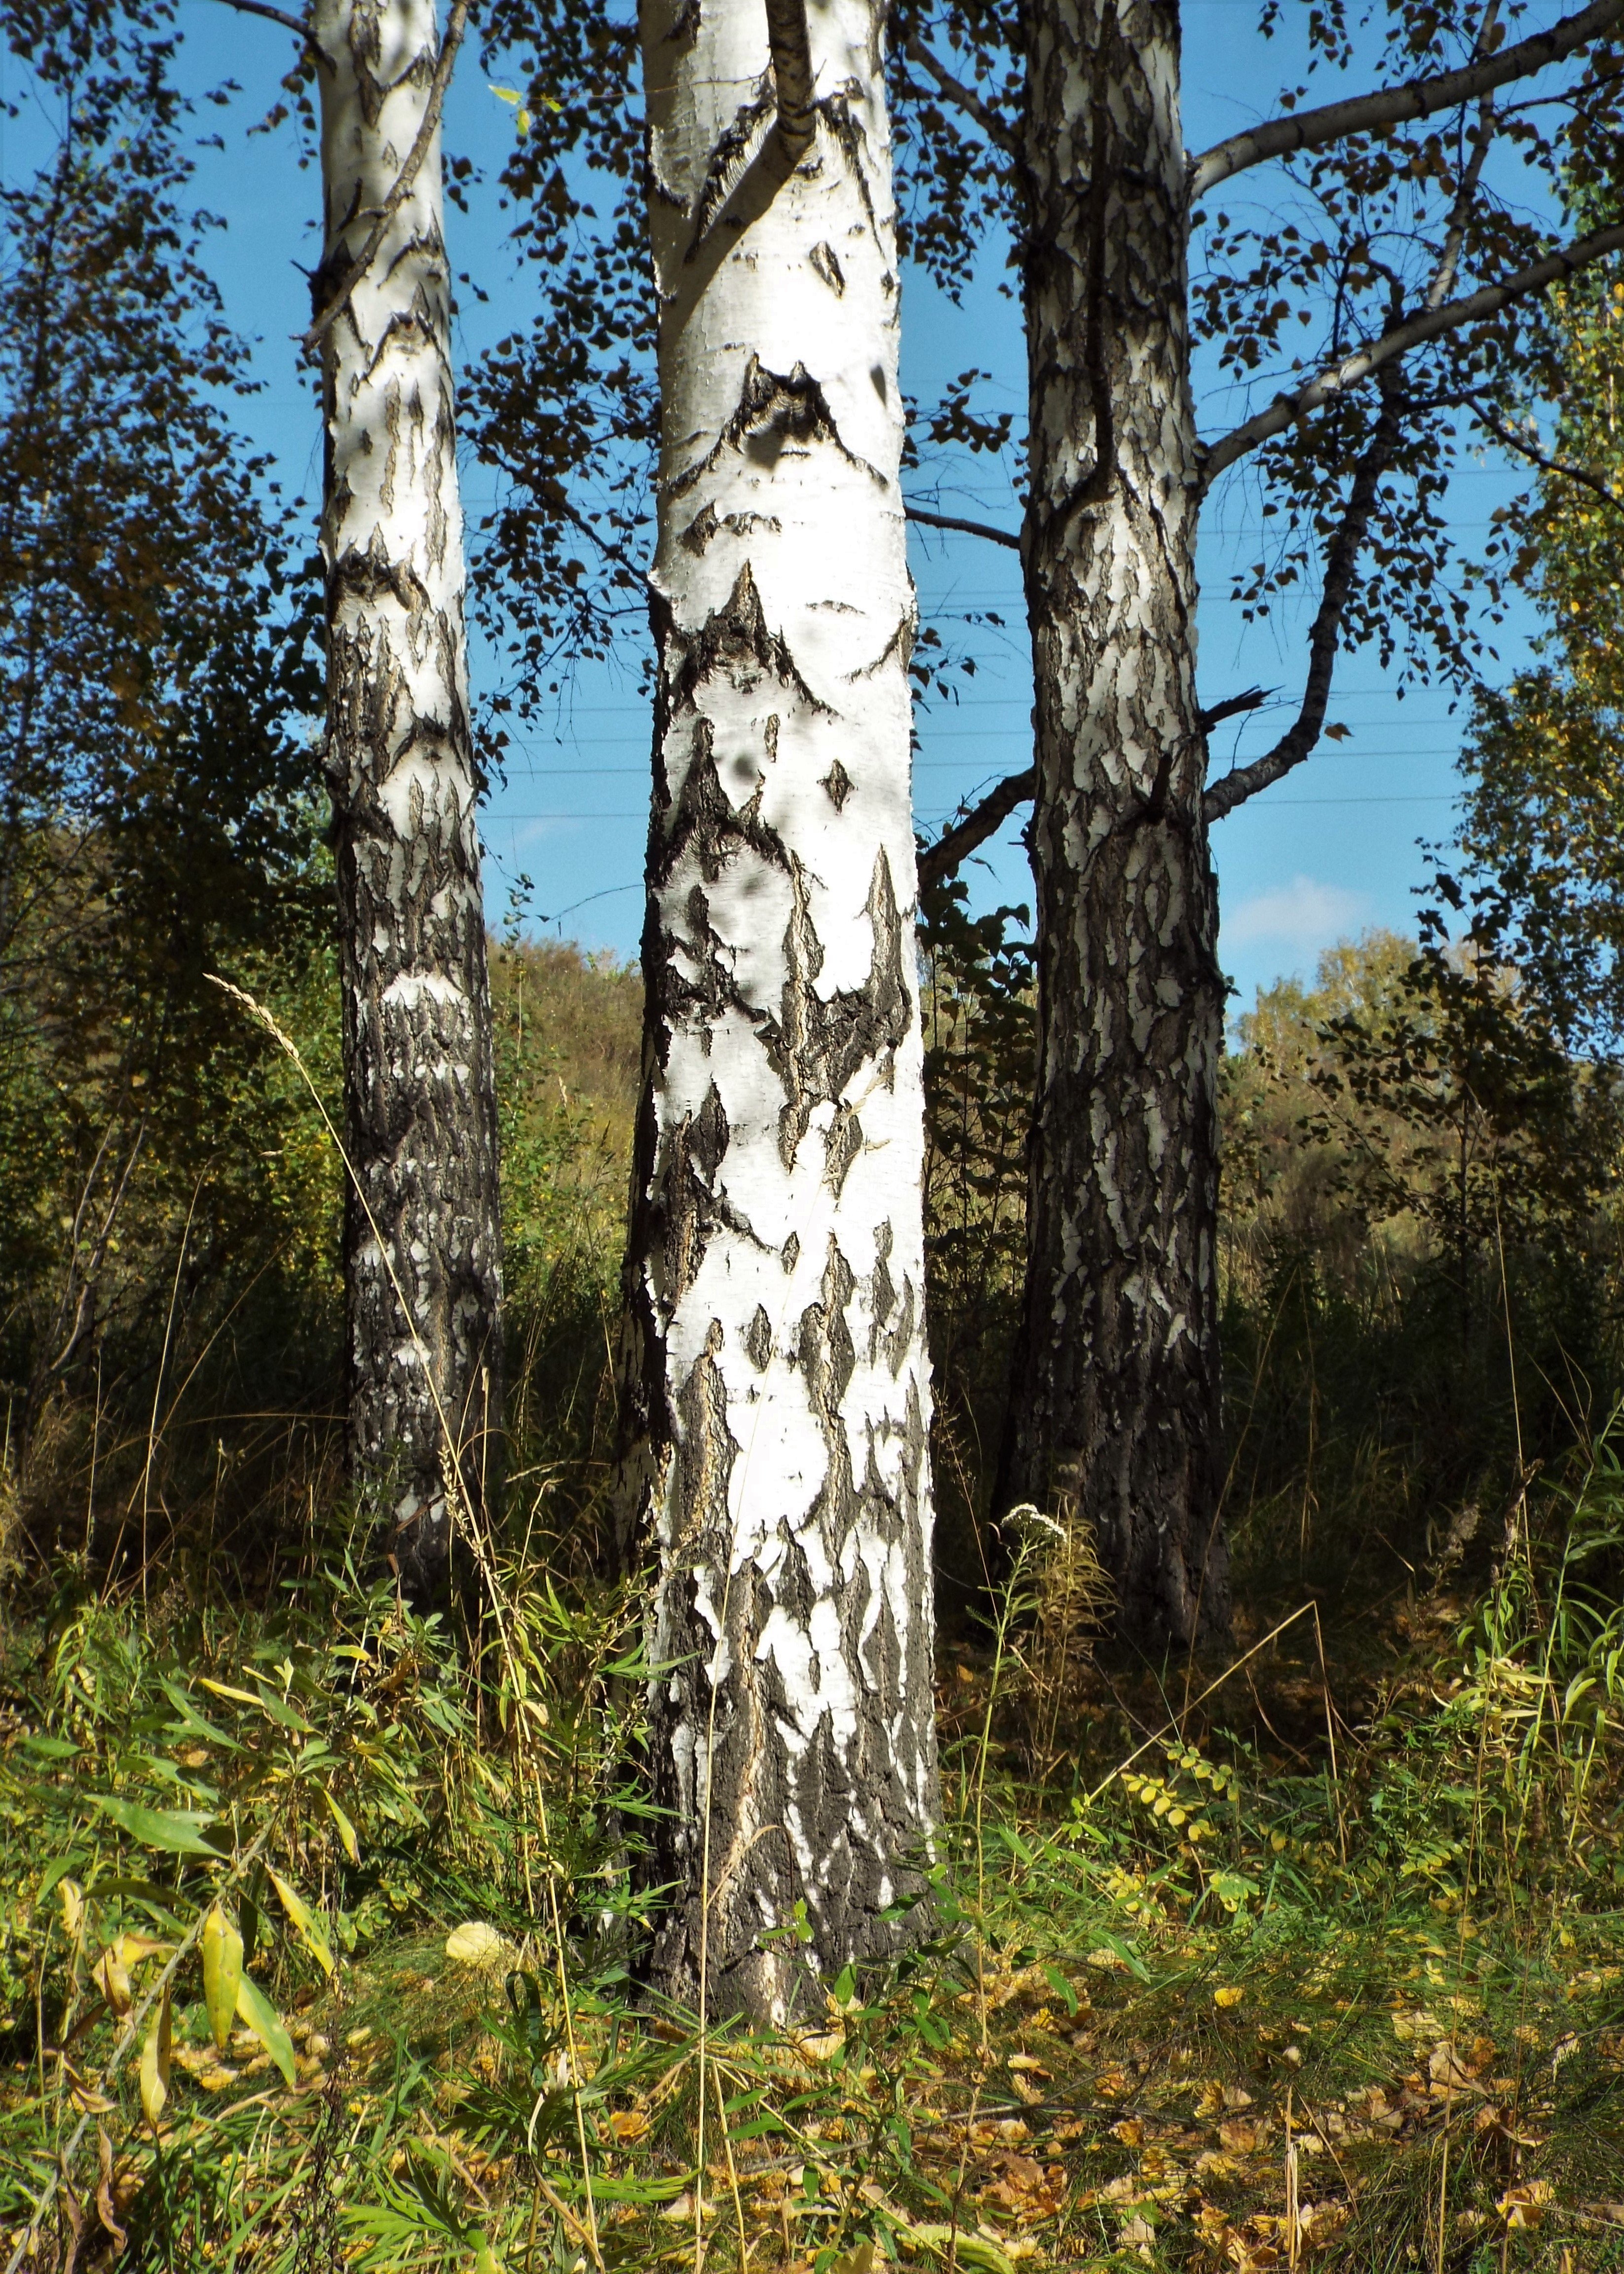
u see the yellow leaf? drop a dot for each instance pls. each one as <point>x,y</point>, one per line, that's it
<point>312,1932</point>
<point>111,1979</point>
<point>72,1908</point>
<point>223,1971</point>
<point>1227,1996</point>
<point>156,2065</point>
<point>475,1944</point>
<point>346,1830</point>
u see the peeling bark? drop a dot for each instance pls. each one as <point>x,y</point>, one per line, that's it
<point>776,1475</point>
<point>1115,1410</point>
<point>420,1115</point>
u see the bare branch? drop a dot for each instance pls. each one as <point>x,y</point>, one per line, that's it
<point>1233,790</point>
<point>790,47</point>
<point>1455,234</point>
<point>1393,106</point>
<point>966,97</point>
<point>1232,706</point>
<point>956,843</point>
<point>408,175</point>
<point>1336,378</point>
<point>970,528</point>
<point>1535,456</point>
<point>301,32</point>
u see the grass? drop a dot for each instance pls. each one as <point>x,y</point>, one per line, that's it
<point>1301,1971</point>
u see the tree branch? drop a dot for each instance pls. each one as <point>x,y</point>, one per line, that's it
<point>1535,456</point>
<point>956,844</point>
<point>1336,378</point>
<point>790,47</point>
<point>967,100</point>
<point>1460,215</point>
<point>1234,788</point>
<point>970,528</point>
<point>1232,706</point>
<point>301,32</point>
<point>404,179</point>
<point>938,861</point>
<point>1393,106</point>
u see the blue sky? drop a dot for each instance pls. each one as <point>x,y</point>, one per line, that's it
<point>1330,851</point>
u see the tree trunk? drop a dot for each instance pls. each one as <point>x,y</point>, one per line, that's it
<point>422,1249</point>
<point>778,1395</point>
<point>1115,1411</point>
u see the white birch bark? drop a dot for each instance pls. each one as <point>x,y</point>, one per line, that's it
<point>419,1096</point>
<point>779,1399</point>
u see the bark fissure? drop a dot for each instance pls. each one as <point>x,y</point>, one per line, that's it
<point>776,1476</point>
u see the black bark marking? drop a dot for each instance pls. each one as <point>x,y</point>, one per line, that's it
<point>705,1454</point>
<point>702,999</point>
<point>899,645</point>
<point>882,1292</point>
<point>708,823</point>
<point>736,643</point>
<point>844,1143</point>
<point>837,785</point>
<point>729,159</point>
<point>708,524</point>
<point>826,266</point>
<point>789,1254</point>
<point>758,1339</point>
<point>775,414</point>
<point>814,1046</point>
<point>694,1152</point>
<point>827,1359</point>
<point>899,1341</point>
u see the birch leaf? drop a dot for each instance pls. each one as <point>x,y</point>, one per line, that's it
<point>222,1969</point>
<point>155,2064</point>
<point>313,1933</point>
<point>346,1830</point>
<point>259,2015</point>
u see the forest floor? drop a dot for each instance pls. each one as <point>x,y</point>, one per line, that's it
<point>1310,1960</point>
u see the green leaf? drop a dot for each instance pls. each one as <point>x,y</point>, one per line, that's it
<point>256,2012</point>
<point>1061,1985</point>
<point>177,1833</point>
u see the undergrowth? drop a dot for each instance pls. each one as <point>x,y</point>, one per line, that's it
<point>1242,1970</point>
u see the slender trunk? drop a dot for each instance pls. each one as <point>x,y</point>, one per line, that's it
<point>778,1397</point>
<point>1115,1410</point>
<point>420,1111</point>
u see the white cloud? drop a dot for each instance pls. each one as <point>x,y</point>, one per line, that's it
<point>1305,915</point>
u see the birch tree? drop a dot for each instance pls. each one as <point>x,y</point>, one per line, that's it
<point>1061,120</point>
<point>778,1477</point>
<point>422,1237</point>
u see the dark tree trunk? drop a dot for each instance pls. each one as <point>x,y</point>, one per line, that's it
<point>1114,1403</point>
<point>421,1246</point>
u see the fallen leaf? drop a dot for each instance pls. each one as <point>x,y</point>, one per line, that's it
<point>475,1943</point>
<point>1229,1995</point>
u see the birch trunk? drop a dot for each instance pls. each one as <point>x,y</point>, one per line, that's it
<point>419,1099</point>
<point>1115,1410</point>
<point>778,1482</point>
